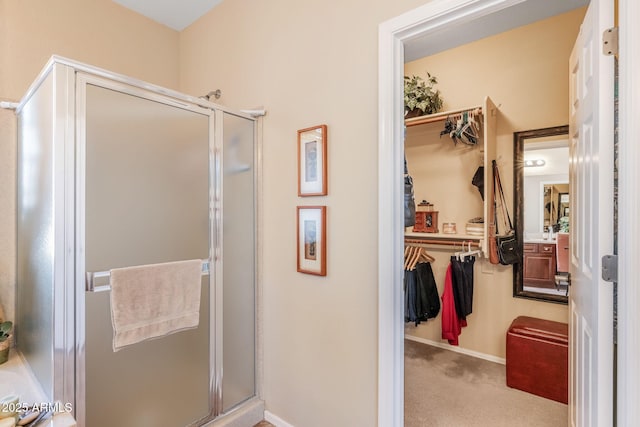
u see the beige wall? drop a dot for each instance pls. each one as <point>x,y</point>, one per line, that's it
<point>97,32</point>
<point>308,63</point>
<point>525,72</point>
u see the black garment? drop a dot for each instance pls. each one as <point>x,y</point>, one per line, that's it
<point>409,200</point>
<point>410,285</point>
<point>422,301</point>
<point>463,285</point>
<point>428,300</point>
<point>478,180</point>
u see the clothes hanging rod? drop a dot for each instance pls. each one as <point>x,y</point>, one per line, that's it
<point>91,277</point>
<point>443,242</point>
<point>438,117</point>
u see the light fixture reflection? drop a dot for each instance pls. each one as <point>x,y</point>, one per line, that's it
<point>534,163</point>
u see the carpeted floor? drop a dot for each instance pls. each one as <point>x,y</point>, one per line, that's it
<point>448,389</point>
<point>445,388</point>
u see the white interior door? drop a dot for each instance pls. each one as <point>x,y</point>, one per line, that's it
<point>591,176</point>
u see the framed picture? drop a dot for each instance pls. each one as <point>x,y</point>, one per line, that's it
<point>312,239</point>
<point>312,161</point>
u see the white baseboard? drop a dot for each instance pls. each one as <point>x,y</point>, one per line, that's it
<point>457,349</point>
<point>275,420</point>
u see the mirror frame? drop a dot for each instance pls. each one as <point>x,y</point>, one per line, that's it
<point>518,201</point>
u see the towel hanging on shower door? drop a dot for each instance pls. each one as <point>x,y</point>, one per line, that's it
<point>151,301</point>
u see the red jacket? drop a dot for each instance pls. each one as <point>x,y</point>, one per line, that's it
<point>451,324</point>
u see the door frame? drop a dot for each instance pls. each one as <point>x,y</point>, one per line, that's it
<point>628,370</point>
<point>430,18</point>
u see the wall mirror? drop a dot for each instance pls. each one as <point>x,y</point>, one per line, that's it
<point>541,185</point>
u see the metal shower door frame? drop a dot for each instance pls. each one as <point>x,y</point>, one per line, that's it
<point>78,76</point>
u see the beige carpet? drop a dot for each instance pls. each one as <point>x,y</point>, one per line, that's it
<point>444,388</point>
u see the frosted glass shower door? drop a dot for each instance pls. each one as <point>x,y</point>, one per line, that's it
<point>238,253</point>
<point>147,201</point>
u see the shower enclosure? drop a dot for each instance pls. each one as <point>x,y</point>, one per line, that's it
<point>114,172</point>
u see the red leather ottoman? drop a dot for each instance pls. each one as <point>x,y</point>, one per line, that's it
<point>538,357</point>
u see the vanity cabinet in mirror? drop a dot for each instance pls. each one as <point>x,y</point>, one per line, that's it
<point>541,183</point>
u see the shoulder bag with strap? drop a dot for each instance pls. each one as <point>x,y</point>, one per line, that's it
<point>508,247</point>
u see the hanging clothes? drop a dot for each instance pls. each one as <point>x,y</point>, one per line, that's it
<point>427,301</point>
<point>462,272</point>
<point>478,180</point>
<point>409,199</point>
<point>421,294</point>
<point>410,286</point>
<point>451,324</point>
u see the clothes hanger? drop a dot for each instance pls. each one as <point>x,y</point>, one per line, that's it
<point>468,133</point>
<point>463,254</point>
<point>424,255</point>
<point>464,130</point>
<point>449,126</point>
<point>407,255</point>
<point>414,260</point>
<point>462,122</point>
<point>457,253</point>
<point>475,123</point>
<point>410,256</point>
<point>470,252</point>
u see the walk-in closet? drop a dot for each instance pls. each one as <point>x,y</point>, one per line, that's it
<point>449,158</point>
<point>491,88</point>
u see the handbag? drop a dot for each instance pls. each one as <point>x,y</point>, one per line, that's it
<point>508,249</point>
<point>494,258</point>
<point>507,245</point>
<point>409,200</point>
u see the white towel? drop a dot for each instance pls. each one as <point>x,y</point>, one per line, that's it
<point>155,300</point>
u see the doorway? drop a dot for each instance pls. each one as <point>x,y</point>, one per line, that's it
<point>430,21</point>
<point>525,70</point>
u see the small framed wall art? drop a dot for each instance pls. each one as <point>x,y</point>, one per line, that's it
<point>312,161</point>
<point>312,239</point>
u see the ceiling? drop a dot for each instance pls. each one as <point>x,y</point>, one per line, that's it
<point>176,14</point>
<point>179,14</point>
<point>512,17</point>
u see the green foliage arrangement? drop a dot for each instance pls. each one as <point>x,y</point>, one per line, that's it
<point>564,224</point>
<point>421,95</point>
<point>5,330</point>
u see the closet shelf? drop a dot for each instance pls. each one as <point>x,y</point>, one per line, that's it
<point>438,117</point>
<point>442,239</point>
<point>486,113</point>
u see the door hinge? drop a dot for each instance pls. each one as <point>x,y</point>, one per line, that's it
<point>610,268</point>
<point>610,41</point>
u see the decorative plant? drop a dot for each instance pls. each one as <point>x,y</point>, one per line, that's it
<point>564,224</point>
<point>421,95</point>
<point>5,330</point>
